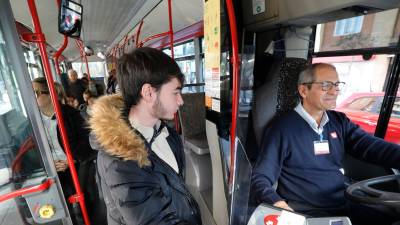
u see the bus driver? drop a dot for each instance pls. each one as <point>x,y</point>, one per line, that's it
<point>304,149</point>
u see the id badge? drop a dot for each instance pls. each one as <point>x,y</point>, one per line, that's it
<point>321,147</point>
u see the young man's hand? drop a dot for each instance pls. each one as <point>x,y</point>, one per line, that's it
<point>283,205</point>
<point>61,165</point>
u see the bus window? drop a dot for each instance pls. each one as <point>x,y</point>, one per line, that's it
<point>393,130</point>
<point>367,31</point>
<point>34,63</point>
<point>185,57</point>
<point>97,69</point>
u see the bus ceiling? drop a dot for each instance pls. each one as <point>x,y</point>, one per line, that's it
<point>102,25</point>
<point>307,12</point>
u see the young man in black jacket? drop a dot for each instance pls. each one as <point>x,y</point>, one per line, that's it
<point>141,160</point>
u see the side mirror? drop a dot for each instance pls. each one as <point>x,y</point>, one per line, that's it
<point>70,18</point>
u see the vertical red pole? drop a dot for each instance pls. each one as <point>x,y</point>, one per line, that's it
<point>138,34</point>
<point>235,84</point>
<point>171,29</point>
<point>171,43</point>
<point>57,108</point>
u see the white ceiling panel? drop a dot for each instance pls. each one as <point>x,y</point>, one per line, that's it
<point>105,22</point>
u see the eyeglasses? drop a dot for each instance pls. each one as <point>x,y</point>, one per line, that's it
<point>328,85</point>
<point>40,92</point>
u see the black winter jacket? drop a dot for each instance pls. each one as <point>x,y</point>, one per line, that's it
<point>138,187</point>
<point>77,132</point>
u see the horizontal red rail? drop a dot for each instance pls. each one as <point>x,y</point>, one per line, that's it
<point>153,37</point>
<point>27,190</point>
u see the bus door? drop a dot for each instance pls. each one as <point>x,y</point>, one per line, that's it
<point>30,191</point>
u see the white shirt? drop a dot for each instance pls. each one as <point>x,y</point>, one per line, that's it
<point>310,120</point>
<point>50,126</point>
<point>160,145</point>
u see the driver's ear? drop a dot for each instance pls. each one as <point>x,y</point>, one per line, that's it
<point>302,90</point>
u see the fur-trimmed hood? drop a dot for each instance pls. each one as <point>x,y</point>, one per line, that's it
<point>111,131</point>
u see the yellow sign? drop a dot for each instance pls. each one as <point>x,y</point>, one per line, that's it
<point>47,211</point>
<point>212,39</point>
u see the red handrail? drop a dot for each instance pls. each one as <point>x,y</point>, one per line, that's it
<point>153,37</point>
<point>138,33</point>
<point>28,190</point>
<point>50,82</point>
<point>79,43</point>
<point>235,84</point>
<point>58,54</point>
<point>26,146</point>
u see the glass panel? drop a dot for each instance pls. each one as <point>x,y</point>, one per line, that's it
<point>188,68</point>
<point>393,130</point>
<point>202,43</point>
<point>97,69</point>
<point>20,160</point>
<point>361,98</point>
<point>34,64</point>
<point>182,50</point>
<point>241,187</point>
<point>167,51</point>
<point>380,29</point>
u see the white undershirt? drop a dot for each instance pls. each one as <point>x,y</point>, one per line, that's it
<point>160,145</point>
<point>310,120</point>
<point>50,126</point>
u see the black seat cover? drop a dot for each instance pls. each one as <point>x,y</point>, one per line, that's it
<point>278,94</point>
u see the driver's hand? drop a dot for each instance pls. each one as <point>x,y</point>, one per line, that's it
<point>283,205</point>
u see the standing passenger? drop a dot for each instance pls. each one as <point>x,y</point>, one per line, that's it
<point>76,86</point>
<point>141,162</point>
<point>112,82</point>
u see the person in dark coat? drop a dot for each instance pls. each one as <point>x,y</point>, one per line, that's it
<point>76,86</point>
<point>141,161</point>
<point>112,82</point>
<point>304,149</point>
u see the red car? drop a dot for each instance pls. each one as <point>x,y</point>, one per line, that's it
<point>363,109</point>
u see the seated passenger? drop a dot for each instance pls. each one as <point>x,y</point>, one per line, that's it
<point>303,151</point>
<point>141,161</point>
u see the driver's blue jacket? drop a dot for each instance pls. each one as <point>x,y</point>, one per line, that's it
<point>305,178</point>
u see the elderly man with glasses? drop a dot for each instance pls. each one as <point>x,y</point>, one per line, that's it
<point>303,151</point>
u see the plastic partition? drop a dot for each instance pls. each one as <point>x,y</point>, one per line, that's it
<point>241,187</point>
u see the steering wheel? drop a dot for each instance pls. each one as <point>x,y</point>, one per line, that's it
<point>362,192</point>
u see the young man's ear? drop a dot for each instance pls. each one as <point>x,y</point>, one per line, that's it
<point>147,92</point>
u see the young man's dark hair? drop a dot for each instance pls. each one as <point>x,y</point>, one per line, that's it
<point>145,65</point>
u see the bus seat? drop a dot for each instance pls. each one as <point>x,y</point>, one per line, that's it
<point>197,154</point>
<point>278,94</point>
<point>192,116</point>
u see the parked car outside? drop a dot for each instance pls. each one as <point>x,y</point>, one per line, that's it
<point>363,109</point>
